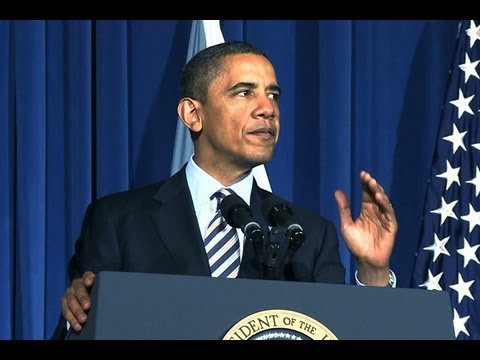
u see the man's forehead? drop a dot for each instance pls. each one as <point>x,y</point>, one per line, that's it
<point>247,68</point>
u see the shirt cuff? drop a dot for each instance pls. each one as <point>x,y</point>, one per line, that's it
<point>392,279</point>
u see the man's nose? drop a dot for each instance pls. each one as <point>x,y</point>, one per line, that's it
<point>267,107</point>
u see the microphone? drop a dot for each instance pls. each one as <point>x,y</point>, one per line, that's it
<point>278,213</point>
<point>239,215</point>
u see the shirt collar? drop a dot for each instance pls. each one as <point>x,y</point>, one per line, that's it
<point>202,185</point>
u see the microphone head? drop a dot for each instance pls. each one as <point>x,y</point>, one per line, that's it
<point>276,211</point>
<point>235,210</point>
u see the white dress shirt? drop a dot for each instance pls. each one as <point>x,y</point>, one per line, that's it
<point>202,186</point>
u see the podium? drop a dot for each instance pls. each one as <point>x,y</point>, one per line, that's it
<point>175,307</point>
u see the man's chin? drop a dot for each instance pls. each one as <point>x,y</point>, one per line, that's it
<point>260,161</point>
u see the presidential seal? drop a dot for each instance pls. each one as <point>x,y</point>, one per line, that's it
<point>279,325</point>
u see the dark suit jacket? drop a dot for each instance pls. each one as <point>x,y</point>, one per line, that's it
<point>154,230</point>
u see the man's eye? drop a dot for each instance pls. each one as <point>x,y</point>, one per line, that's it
<point>244,93</point>
<point>274,96</point>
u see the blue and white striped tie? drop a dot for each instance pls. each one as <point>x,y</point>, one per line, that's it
<point>222,243</point>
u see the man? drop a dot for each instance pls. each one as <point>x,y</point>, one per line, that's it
<point>229,100</point>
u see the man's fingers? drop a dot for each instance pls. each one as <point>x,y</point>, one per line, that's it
<point>381,199</point>
<point>375,190</point>
<point>343,208</point>
<point>76,300</point>
<point>81,293</point>
<point>72,310</point>
<point>88,278</point>
<point>68,315</point>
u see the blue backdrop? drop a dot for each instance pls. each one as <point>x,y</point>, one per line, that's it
<point>89,107</point>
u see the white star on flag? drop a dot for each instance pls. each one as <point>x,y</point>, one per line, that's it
<point>463,288</point>
<point>468,68</point>
<point>459,323</point>
<point>468,253</point>
<point>462,103</point>
<point>456,139</point>
<point>473,33</point>
<point>433,282</point>
<point>451,175</point>
<point>438,247</point>
<point>473,218</point>
<point>475,181</point>
<point>446,210</point>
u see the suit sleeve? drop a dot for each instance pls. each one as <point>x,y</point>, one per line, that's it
<point>97,247</point>
<point>328,266</point>
<point>318,259</point>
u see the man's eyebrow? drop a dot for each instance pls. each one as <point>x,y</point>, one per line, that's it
<point>274,88</point>
<point>251,85</point>
<point>243,85</point>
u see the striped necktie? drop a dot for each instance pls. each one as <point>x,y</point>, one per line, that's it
<point>222,243</point>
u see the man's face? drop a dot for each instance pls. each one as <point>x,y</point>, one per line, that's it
<point>240,120</point>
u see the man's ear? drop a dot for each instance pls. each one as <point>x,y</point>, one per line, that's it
<point>188,110</point>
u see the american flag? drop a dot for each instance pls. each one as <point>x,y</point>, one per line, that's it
<point>447,255</point>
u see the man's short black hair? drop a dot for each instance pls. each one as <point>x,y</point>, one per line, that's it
<point>206,66</point>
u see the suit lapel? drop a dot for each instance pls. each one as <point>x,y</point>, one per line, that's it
<point>250,268</point>
<point>177,226</point>
<point>256,202</point>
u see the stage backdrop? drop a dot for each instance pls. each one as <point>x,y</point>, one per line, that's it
<point>88,108</point>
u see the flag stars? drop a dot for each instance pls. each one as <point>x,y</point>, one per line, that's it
<point>446,210</point>
<point>456,139</point>
<point>449,250</point>
<point>463,288</point>
<point>462,103</point>
<point>469,68</point>
<point>438,247</point>
<point>432,282</point>
<point>475,181</point>
<point>451,175</point>
<point>459,323</point>
<point>468,253</point>
<point>473,218</point>
<point>473,32</point>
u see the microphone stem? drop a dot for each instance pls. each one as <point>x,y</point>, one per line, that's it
<point>271,261</point>
<point>257,237</point>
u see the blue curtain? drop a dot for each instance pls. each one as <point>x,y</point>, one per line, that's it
<point>88,108</point>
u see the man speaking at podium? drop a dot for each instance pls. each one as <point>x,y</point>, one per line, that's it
<point>229,101</point>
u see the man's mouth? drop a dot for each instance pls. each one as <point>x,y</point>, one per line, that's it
<point>264,132</point>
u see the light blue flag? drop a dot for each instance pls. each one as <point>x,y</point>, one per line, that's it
<point>204,33</point>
